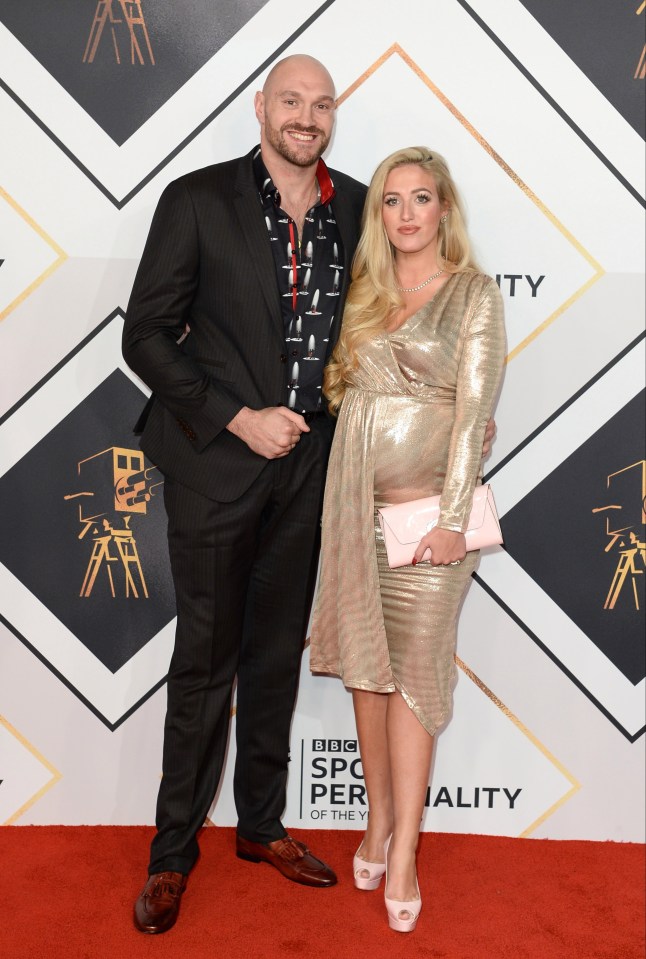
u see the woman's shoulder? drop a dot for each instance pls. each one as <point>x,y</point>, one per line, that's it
<point>480,300</point>
<point>477,291</point>
<point>476,282</point>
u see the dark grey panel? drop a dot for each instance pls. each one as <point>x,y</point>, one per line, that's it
<point>49,550</point>
<point>121,96</point>
<point>559,534</point>
<point>606,41</point>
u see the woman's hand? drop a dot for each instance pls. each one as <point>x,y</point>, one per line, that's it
<point>446,547</point>
<point>490,432</point>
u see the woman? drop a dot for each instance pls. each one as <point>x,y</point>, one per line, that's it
<point>413,377</point>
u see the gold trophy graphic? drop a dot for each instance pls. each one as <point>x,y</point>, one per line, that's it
<point>119,486</point>
<point>629,540</point>
<point>135,23</point>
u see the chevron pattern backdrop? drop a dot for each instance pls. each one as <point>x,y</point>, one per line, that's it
<point>539,109</point>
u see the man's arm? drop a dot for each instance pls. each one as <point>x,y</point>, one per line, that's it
<point>156,319</point>
<point>157,315</point>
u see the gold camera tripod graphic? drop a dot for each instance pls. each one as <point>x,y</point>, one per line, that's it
<point>132,16</point>
<point>632,547</point>
<point>122,485</point>
<point>640,72</point>
<point>127,550</point>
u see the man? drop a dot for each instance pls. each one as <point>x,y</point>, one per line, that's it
<point>235,308</point>
<point>252,256</point>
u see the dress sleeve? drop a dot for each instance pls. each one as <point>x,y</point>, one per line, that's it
<point>479,371</point>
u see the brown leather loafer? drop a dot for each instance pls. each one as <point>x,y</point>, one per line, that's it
<point>290,857</point>
<point>157,906</point>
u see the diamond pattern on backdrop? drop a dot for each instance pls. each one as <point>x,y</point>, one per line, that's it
<point>503,781</point>
<point>121,98</point>
<point>560,574</point>
<point>119,63</point>
<point>580,535</point>
<point>27,255</point>
<point>84,570</point>
<point>594,33</point>
<point>26,774</point>
<point>540,266</point>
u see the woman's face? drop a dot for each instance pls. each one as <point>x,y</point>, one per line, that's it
<point>411,209</point>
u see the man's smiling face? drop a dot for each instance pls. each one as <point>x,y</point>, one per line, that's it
<point>296,111</point>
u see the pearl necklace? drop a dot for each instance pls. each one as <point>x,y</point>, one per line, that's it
<point>414,289</point>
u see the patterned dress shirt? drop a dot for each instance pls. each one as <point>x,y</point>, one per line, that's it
<point>308,270</point>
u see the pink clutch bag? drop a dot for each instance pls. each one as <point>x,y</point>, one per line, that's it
<point>404,525</point>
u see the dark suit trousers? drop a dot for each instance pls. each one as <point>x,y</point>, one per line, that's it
<point>243,574</point>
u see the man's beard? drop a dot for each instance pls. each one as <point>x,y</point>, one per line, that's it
<point>293,152</point>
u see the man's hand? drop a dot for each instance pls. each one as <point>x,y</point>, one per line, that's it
<point>490,432</point>
<point>272,432</point>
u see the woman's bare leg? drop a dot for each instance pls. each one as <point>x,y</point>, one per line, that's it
<point>370,710</point>
<point>410,748</point>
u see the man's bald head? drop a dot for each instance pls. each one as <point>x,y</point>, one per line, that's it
<point>298,64</point>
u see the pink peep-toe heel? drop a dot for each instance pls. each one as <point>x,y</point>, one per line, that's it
<point>395,907</point>
<point>375,872</point>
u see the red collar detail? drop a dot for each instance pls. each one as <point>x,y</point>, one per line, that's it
<point>325,183</point>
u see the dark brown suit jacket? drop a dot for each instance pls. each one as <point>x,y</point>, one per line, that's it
<point>208,264</point>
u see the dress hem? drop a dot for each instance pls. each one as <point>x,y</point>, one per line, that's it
<point>367,686</point>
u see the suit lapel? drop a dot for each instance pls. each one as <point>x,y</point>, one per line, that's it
<point>254,231</point>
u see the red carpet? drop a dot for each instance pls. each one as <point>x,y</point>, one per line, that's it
<point>66,893</point>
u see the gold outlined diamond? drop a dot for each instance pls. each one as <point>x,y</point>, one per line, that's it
<point>56,775</point>
<point>61,256</point>
<point>575,785</point>
<point>599,271</point>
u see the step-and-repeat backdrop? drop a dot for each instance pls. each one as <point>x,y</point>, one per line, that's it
<point>539,109</point>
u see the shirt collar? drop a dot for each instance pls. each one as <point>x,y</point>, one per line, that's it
<point>267,187</point>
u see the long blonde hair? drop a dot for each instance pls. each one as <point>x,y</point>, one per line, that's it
<point>373,295</point>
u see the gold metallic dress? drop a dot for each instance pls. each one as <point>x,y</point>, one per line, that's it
<point>411,424</point>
